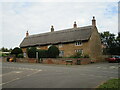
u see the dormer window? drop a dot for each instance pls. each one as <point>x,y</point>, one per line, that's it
<point>78,43</point>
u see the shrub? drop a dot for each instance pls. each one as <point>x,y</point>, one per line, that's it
<point>31,52</point>
<point>77,55</point>
<point>20,56</point>
<point>53,52</point>
<point>16,51</point>
<point>4,55</point>
<point>42,53</point>
<point>86,56</point>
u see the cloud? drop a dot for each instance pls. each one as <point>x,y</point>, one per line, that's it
<point>18,17</point>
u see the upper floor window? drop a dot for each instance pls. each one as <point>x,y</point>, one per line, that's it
<point>78,43</point>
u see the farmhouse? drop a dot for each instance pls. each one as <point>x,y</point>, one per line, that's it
<point>69,41</point>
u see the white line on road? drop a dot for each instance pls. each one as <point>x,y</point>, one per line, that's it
<point>9,81</point>
<point>19,78</point>
<point>20,68</point>
<point>10,73</point>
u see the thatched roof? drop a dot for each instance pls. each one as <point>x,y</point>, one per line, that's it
<point>61,36</point>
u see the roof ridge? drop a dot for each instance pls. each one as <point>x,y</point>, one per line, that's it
<point>59,31</point>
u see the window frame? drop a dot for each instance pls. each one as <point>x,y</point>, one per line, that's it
<point>78,43</point>
<point>61,54</point>
<point>79,50</point>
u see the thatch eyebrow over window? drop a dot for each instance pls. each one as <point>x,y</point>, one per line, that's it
<point>78,43</point>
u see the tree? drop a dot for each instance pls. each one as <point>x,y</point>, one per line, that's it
<point>16,51</point>
<point>111,42</point>
<point>4,49</point>
<point>31,51</point>
<point>53,51</point>
<point>118,44</point>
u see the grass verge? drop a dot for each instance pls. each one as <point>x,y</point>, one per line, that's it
<point>112,83</point>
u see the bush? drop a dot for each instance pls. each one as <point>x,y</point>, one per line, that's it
<point>4,55</point>
<point>16,51</point>
<point>20,56</point>
<point>31,52</point>
<point>53,52</point>
<point>77,55</point>
<point>42,53</point>
<point>86,56</point>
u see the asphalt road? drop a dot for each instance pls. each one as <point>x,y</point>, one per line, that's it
<point>27,75</point>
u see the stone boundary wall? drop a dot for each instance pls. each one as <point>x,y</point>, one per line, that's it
<point>53,60</point>
<point>63,60</point>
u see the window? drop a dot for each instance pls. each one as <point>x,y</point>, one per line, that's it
<point>78,43</point>
<point>60,45</point>
<point>24,54</point>
<point>61,53</point>
<point>79,50</point>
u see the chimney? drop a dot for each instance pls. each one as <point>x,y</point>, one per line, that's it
<point>93,21</point>
<point>75,25</point>
<point>27,34</point>
<point>52,28</point>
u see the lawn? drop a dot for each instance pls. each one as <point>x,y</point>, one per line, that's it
<point>112,83</point>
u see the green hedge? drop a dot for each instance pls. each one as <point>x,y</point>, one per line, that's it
<point>53,52</point>
<point>16,51</point>
<point>31,52</point>
<point>42,53</point>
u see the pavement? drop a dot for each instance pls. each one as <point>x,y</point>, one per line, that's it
<point>35,75</point>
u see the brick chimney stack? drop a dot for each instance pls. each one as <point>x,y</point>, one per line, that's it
<point>52,28</point>
<point>27,34</point>
<point>75,25</point>
<point>93,21</point>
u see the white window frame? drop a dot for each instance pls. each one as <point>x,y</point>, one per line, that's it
<point>79,50</point>
<point>78,43</point>
<point>24,54</point>
<point>61,54</point>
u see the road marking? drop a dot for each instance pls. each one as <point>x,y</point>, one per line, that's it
<point>17,71</point>
<point>34,72</point>
<point>113,67</point>
<point>10,81</point>
<point>20,68</point>
<point>10,73</point>
<point>19,78</point>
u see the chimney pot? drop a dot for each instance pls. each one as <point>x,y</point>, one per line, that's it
<point>52,28</point>
<point>75,25</point>
<point>93,21</point>
<point>27,34</point>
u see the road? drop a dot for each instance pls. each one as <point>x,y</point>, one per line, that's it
<point>31,75</point>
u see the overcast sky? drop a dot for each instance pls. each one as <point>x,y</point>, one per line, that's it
<point>37,17</point>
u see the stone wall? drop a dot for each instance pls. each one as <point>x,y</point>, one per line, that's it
<point>54,60</point>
